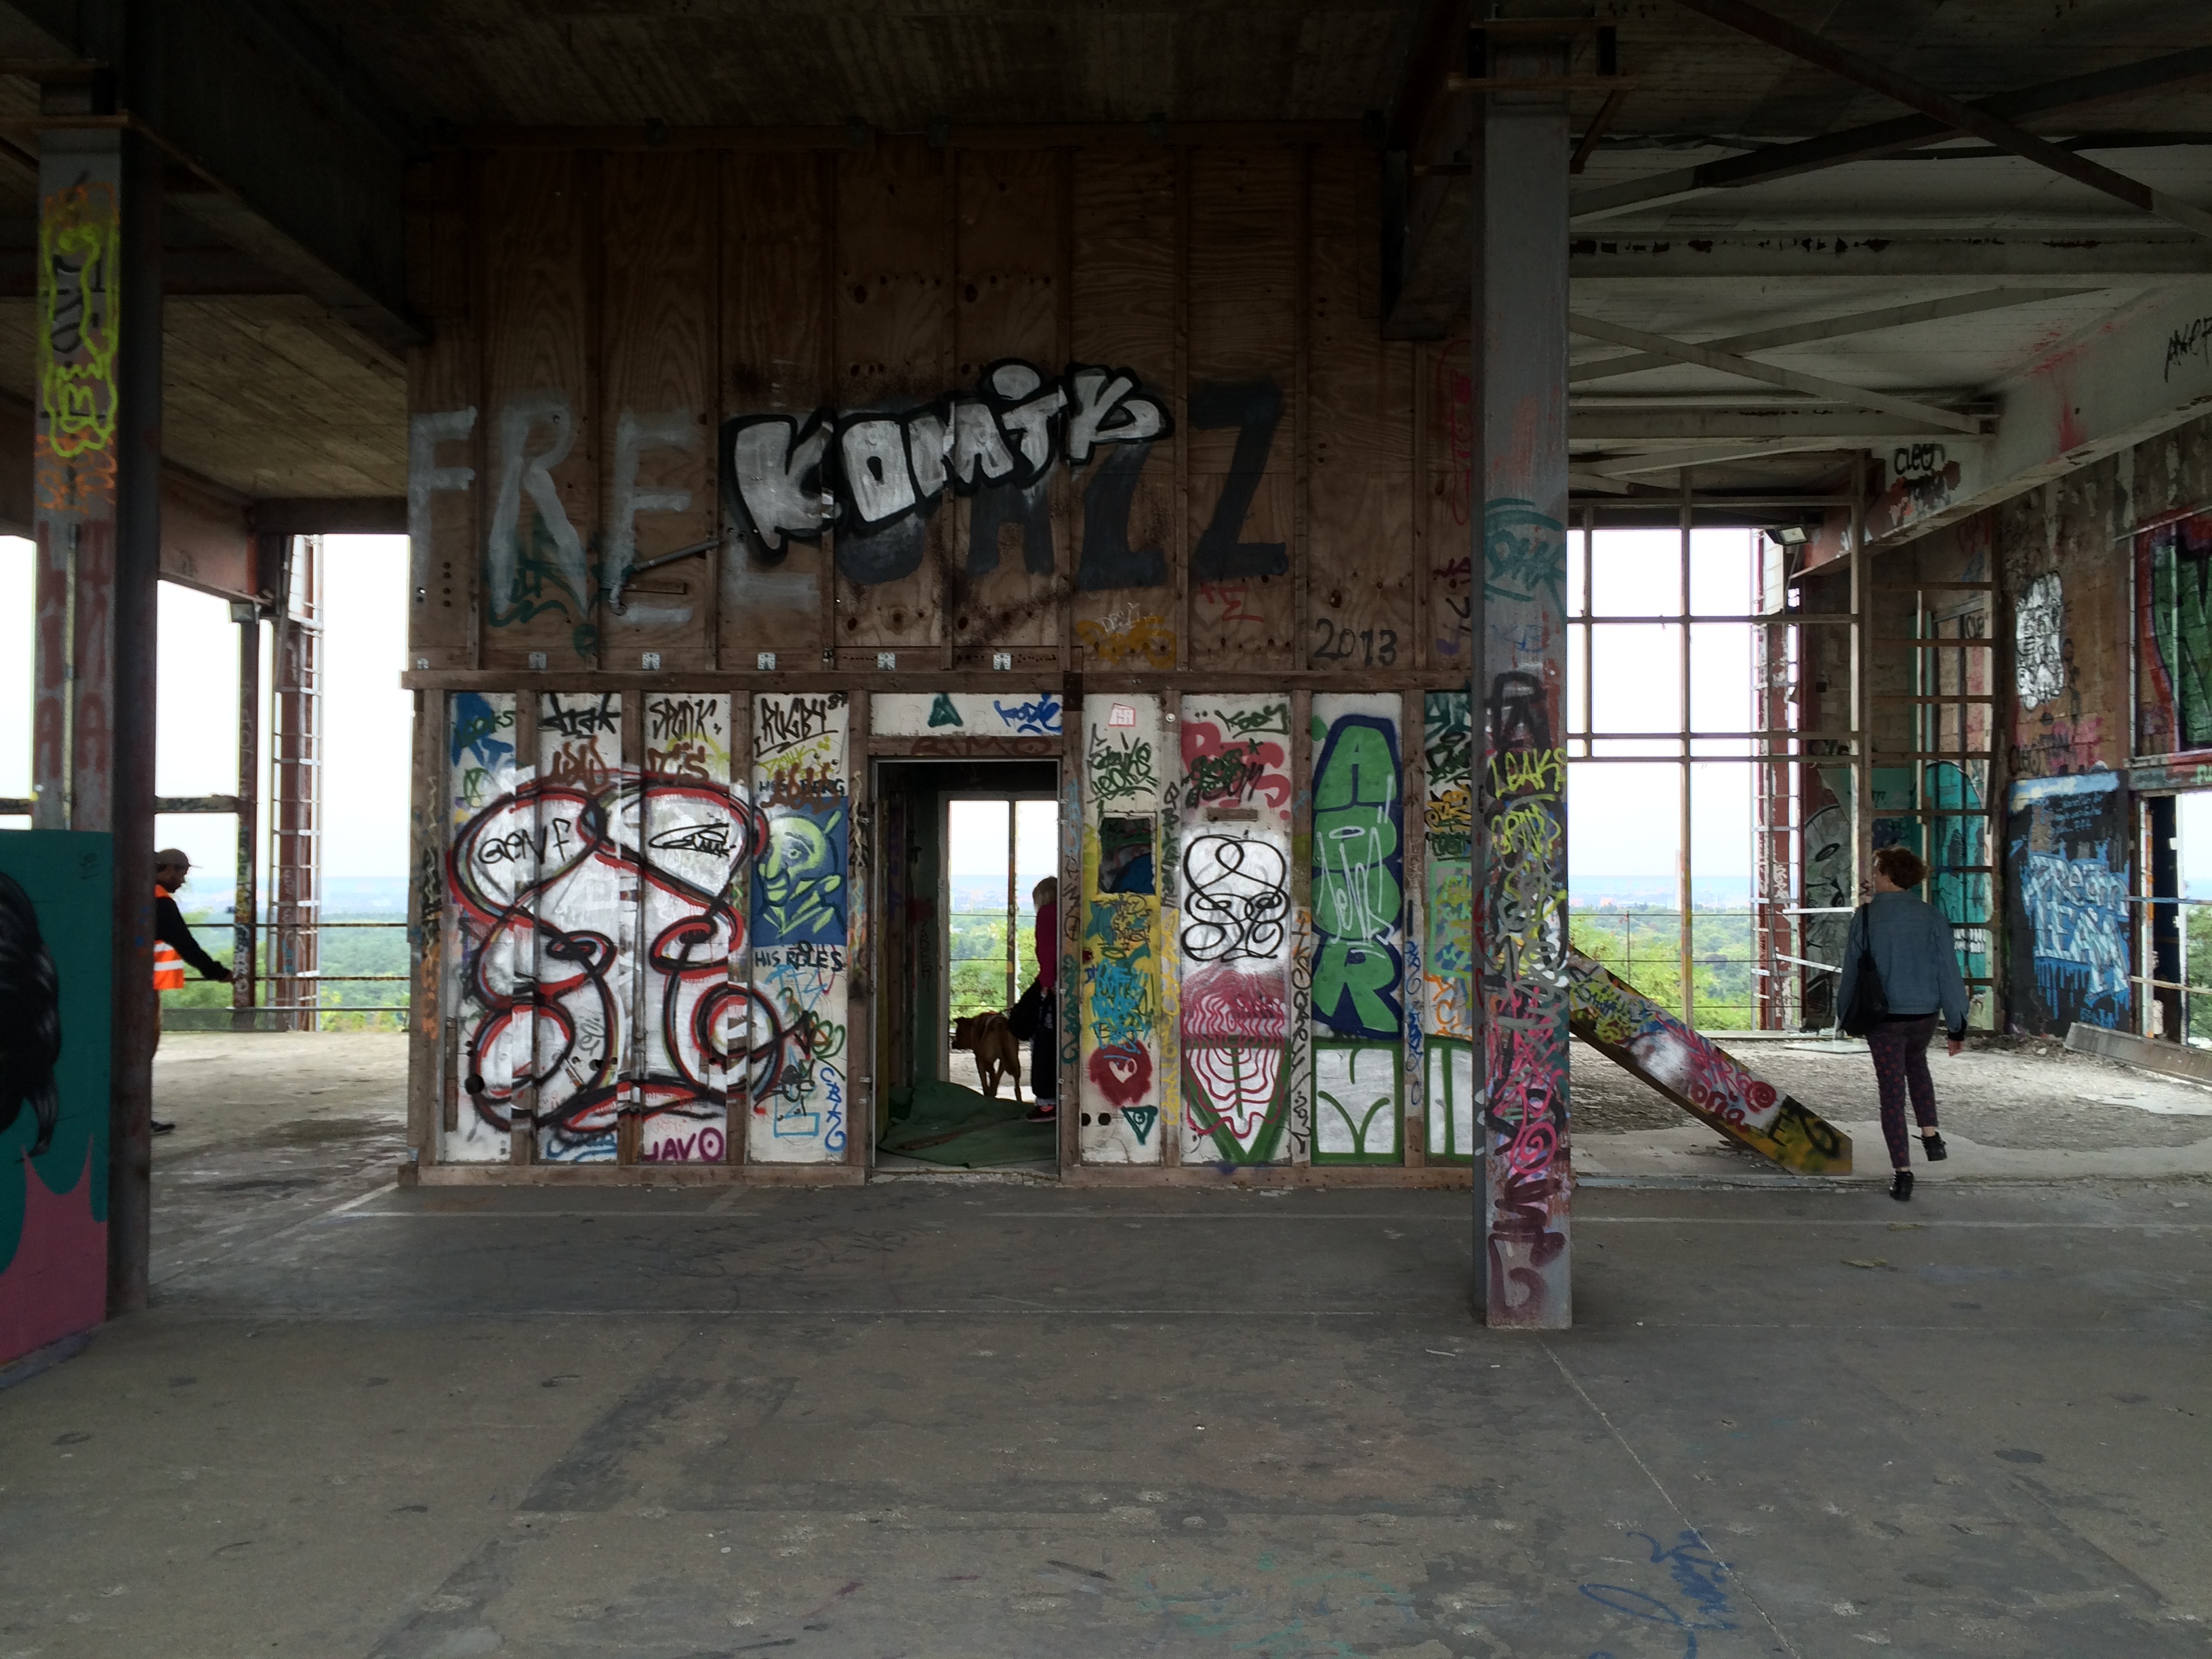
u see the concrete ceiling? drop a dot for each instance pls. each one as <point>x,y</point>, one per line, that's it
<point>903,66</point>
<point>1873,235</point>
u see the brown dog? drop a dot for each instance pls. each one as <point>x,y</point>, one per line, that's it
<point>991,1040</point>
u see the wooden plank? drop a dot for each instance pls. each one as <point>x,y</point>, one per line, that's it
<point>1447,529</point>
<point>444,420</point>
<point>861,1086</point>
<point>540,485</point>
<point>1001,585</point>
<point>1360,442</point>
<point>1123,309</point>
<point>1414,792</point>
<point>657,362</point>
<point>426,911</point>
<point>893,322</point>
<point>1243,329</point>
<point>776,344</point>
<point>736,1076</point>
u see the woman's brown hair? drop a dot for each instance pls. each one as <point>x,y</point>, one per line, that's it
<point>1902,866</point>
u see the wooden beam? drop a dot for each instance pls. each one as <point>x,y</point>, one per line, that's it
<point>1954,113</point>
<point>1795,379</point>
<point>1880,138</point>
<point>340,515</point>
<point>1832,328</point>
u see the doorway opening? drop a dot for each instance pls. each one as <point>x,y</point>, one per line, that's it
<point>2173,919</point>
<point>962,845</point>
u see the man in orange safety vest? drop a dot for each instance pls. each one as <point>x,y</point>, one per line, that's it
<point>174,944</point>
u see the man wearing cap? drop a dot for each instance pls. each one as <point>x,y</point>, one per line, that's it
<point>174,944</point>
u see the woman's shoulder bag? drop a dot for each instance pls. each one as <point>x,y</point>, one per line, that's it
<point>1869,1003</point>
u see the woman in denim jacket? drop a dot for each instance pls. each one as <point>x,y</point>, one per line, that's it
<point>1919,969</point>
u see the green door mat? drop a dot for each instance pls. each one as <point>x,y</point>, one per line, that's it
<point>946,1123</point>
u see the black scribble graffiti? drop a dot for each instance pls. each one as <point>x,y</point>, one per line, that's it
<point>1248,722</point>
<point>712,836</point>
<point>1122,770</point>
<point>1255,408</point>
<point>1917,460</point>
<point>682,717</point>
<point>1236,893</point>
<point>1518,721</point>
<point>581,718</point>
<point>876,476</point>
<point>2191,340</point>
<point>787,722</point>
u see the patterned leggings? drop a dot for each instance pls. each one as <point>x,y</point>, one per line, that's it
<point>1900,1063</point>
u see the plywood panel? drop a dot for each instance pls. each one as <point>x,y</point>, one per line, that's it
<point>802,910</point>
<point>1009,545</point>
<point>893,318</point>
<point>445,422</point>
<point>1447,500</point>
<point>536,217</point>
<point>1359,990</point>
<point>1121,1008</point>
<point>658,326</point>
<point>776,251</point>
<point>1360,442</point>
<point>1233,949</point>
<point>1129,538</point>
<point>1242,376</point>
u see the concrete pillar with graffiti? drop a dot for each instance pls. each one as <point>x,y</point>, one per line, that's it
<point>1520,313</point>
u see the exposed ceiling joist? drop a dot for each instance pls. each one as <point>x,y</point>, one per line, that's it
<point>323,211</point>
<point>1880,138</point>
<point>1954,113</point>
<point>1839,427</point>
<point>1833,328</point>
<point>1796,379</point>
<point>2092,259</point>
<point>1622,469</point>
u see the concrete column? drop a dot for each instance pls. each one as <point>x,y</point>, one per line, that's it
<point>96,469</point>
<point>96,466</point>
<point>1519,332</point>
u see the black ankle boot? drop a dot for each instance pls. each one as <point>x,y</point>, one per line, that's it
<point>1901,1188</point>
<point>1933,1145</point>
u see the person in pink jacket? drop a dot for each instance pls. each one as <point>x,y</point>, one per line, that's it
<point>1045,1047</point>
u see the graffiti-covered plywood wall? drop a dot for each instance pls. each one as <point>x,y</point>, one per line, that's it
<point>1119,964</point>
<point>2173,640</point>
<point>55,989</point>
<point>1235,948</point>
<point>1126,402</point>
<point>641,938</point>
<point>2068,922</point>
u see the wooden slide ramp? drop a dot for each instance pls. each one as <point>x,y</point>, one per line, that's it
<point>1697,1074</point>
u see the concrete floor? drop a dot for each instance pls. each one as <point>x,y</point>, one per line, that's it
<point>973,1419</point>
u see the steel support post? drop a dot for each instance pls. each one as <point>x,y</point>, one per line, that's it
<point>1862,625</point>
<point>1519,357</point>
<point>246,904</point>
<point>96,466</point>
<point>295,761</point>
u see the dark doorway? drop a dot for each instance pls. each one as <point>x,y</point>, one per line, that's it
<point>962,844</point>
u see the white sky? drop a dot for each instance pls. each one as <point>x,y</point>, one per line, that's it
<point>1622,819</point>
<point>977,839</point>
<point>367,717</point>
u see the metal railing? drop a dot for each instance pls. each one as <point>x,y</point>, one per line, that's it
<point>2147,982</point>
<point>318,978</point>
